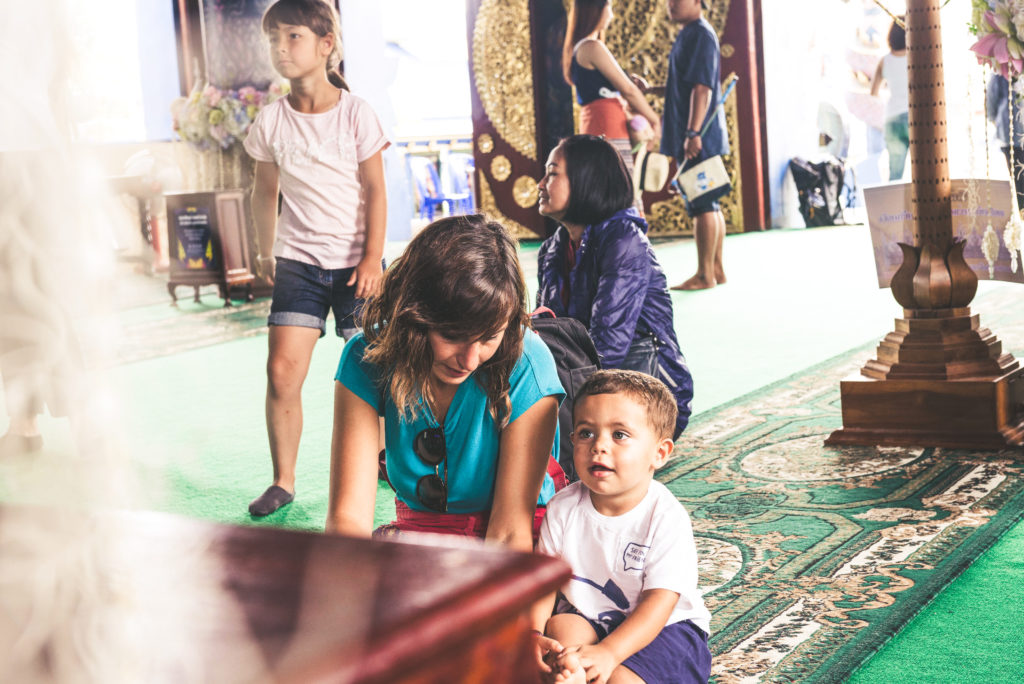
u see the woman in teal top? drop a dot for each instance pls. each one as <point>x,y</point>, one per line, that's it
<point>448,360</point>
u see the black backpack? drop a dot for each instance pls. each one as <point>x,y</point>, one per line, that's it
<point>819,187</point>
<point>576,359</point>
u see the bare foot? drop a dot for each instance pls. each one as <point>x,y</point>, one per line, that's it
<point>719,275</point>
<point>697,282</point>
<point>571,671</point>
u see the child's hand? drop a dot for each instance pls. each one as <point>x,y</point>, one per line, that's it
<point>598,662</point>
<point>547,650</point>
<point>567,668</point>
<point>366,277</point>
<point>267,267</point>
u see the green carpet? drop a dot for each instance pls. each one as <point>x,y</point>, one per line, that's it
<point>813,556</point>
<point>191,387</point>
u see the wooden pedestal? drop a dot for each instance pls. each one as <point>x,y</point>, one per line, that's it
<point>208,243</point>
<point>967,414</point>
<point>939,379</point>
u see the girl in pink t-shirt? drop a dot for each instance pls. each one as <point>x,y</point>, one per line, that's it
<point>321,148</point>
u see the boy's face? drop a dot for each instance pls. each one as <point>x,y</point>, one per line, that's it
<point>683,11</point>
<point>295,51</point>
<point>616,451</point>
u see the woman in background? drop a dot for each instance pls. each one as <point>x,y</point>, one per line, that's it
<point>892,69</point>
<point>599,268</point>
<point>600,82</point>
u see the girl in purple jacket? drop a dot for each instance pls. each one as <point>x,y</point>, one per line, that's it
<point>599,268</point>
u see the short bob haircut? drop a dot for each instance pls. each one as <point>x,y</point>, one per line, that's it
<point>647,391</point>
<point>460,277</point>
<point>599,184</point>
<point>897,36</point>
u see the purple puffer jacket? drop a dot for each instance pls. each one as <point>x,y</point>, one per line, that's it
<point>619,292</point>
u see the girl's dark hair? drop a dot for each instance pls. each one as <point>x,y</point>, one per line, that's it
<point>459,277</point>
<point>584,17</point>
<point>897,35</point>
<point>320,18</point>
<point>599,184</point>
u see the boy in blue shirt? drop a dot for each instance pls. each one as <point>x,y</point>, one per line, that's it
<point>691,93</point>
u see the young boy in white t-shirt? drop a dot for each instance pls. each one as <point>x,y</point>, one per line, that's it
<point>632,611</point>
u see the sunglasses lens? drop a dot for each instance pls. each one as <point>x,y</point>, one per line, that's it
<point>429,446</point>
<point>433,493</point>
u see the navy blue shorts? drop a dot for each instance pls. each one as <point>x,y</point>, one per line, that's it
<point>678,655</point>
<point>304,293</point>
<point>702,206</point>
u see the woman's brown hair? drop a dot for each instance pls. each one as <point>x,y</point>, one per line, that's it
<point>459,277</point>
<point>584,17</point>
<point>318,17</point>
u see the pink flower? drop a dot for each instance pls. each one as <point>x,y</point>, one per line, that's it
<point>992,49</point>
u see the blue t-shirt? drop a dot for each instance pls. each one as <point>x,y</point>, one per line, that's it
<point>695,59</point>
<point>470,433</point>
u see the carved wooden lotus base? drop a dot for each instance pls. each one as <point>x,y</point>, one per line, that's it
<point>938,380</point>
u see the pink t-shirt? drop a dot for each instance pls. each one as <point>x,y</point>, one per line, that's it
<point>323,217</point>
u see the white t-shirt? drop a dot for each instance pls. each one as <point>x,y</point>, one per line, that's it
<point>614,559</point>
<point>322,219</point>
<point>894,71</point>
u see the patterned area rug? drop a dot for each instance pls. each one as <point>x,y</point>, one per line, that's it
<point>192,327</point>
<point>813,556</point>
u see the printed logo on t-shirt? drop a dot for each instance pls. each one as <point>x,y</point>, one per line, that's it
<point>634,556</point>
<point>303,153</point>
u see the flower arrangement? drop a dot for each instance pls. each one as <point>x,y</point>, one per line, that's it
<point>211,118</point>
<point>999,25</point>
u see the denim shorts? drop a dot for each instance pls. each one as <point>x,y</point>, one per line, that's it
<point>701,206</point>
<point>304,293</point>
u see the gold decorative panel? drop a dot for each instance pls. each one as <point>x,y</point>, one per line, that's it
<point>489,207</point>
<point>501,168</point>
<point>524,191</point>
<point>503,71</point>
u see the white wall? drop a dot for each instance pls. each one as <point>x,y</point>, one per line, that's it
<point>812,51</point>
<point>370,70</point>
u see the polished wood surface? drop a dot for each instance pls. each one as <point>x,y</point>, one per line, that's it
<point>939,379</point>
<point>262,604</point>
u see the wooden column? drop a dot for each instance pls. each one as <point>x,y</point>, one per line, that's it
<point>743,54</point>
<point>940,379</point>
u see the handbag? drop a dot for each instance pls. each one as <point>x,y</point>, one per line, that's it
<point>705,181</point>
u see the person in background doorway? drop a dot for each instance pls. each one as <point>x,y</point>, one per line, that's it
<point>892,69</point>
<point>321,147</point>
<point>600,82</point>
<point>997,100</point>
<point>691,98</point>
